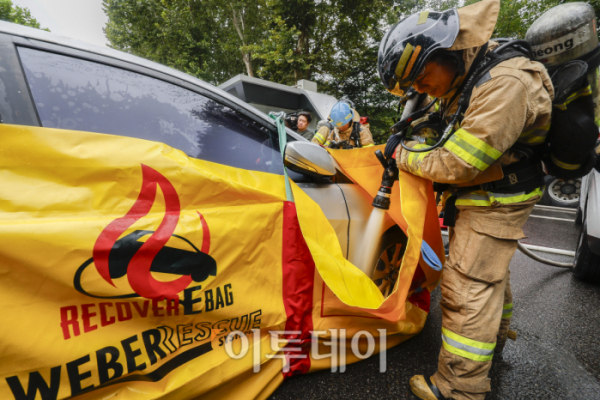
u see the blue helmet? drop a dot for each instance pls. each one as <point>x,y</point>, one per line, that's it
<point>341,114</point>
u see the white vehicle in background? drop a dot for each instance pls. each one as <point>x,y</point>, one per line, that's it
<point>587,255</point>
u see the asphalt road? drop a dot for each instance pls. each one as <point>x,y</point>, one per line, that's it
<point>556,355</point>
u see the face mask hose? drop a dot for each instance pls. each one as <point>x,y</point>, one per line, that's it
<point>390,175</point>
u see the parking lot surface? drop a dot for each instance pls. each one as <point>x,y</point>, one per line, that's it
<point>556,355</point>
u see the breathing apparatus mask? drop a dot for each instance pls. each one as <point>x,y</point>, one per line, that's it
<point>428,130</point>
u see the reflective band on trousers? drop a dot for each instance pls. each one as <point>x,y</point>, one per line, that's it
<point>467,348</point>
<point>485,199</point>
<point>535,136</point>
<point>472,149</point>
<point>507,311</point>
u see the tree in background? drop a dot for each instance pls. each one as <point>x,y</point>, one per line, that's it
<point>334,42</point>
<point>208,39</point>
<point>18,15</point>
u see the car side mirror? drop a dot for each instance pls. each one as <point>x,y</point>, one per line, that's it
<point>309,159</point>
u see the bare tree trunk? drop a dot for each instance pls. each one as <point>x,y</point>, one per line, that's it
<point>302,48</point>
<point>246,55</point>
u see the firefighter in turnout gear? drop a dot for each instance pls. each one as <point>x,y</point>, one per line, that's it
<point>488,169</point>
<point>343,130</point>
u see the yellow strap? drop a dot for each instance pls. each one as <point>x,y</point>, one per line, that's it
<point>586,91</point>
<point>369,145</point>
<point>564,165</point>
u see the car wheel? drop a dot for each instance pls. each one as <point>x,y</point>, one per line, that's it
<point>562,193</point>
<point>587,264</point>
<point>391,252</point>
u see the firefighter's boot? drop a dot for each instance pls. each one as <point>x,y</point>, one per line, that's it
<point>424,388</point>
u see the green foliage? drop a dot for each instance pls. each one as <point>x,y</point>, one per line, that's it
<point>333,42</point>
<point>208,39</point>
<point>18,15</point>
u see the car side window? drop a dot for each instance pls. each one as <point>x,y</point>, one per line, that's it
<point>71,93</point>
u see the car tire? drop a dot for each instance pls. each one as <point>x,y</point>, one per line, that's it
<point>561,193</point>
<point>587,264</point>
<point>390,254</point>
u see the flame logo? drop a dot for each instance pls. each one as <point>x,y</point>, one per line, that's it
<point>114,257</point>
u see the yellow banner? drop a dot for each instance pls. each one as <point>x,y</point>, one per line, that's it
<point>129,269</point>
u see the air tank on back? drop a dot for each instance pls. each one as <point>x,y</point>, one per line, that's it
<point>563,33</point>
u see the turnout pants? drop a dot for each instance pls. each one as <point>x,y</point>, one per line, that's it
<point>476,299</point>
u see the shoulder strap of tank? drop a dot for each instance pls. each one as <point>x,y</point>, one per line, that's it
<point>506,50</point>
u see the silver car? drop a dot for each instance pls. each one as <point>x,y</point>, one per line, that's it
<point>51,81</point>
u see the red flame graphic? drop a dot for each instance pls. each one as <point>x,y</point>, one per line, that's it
<point>138,271</point>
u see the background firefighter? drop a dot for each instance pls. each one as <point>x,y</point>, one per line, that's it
<point>508,116</point>
<point>343,130</point>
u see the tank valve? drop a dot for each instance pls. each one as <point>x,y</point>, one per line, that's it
<point>390,174</point>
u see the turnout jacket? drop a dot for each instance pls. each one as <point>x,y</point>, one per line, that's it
<point>512,103</point>
<point>324,136</point>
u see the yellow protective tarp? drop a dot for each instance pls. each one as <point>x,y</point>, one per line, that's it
<point>126,265</point>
